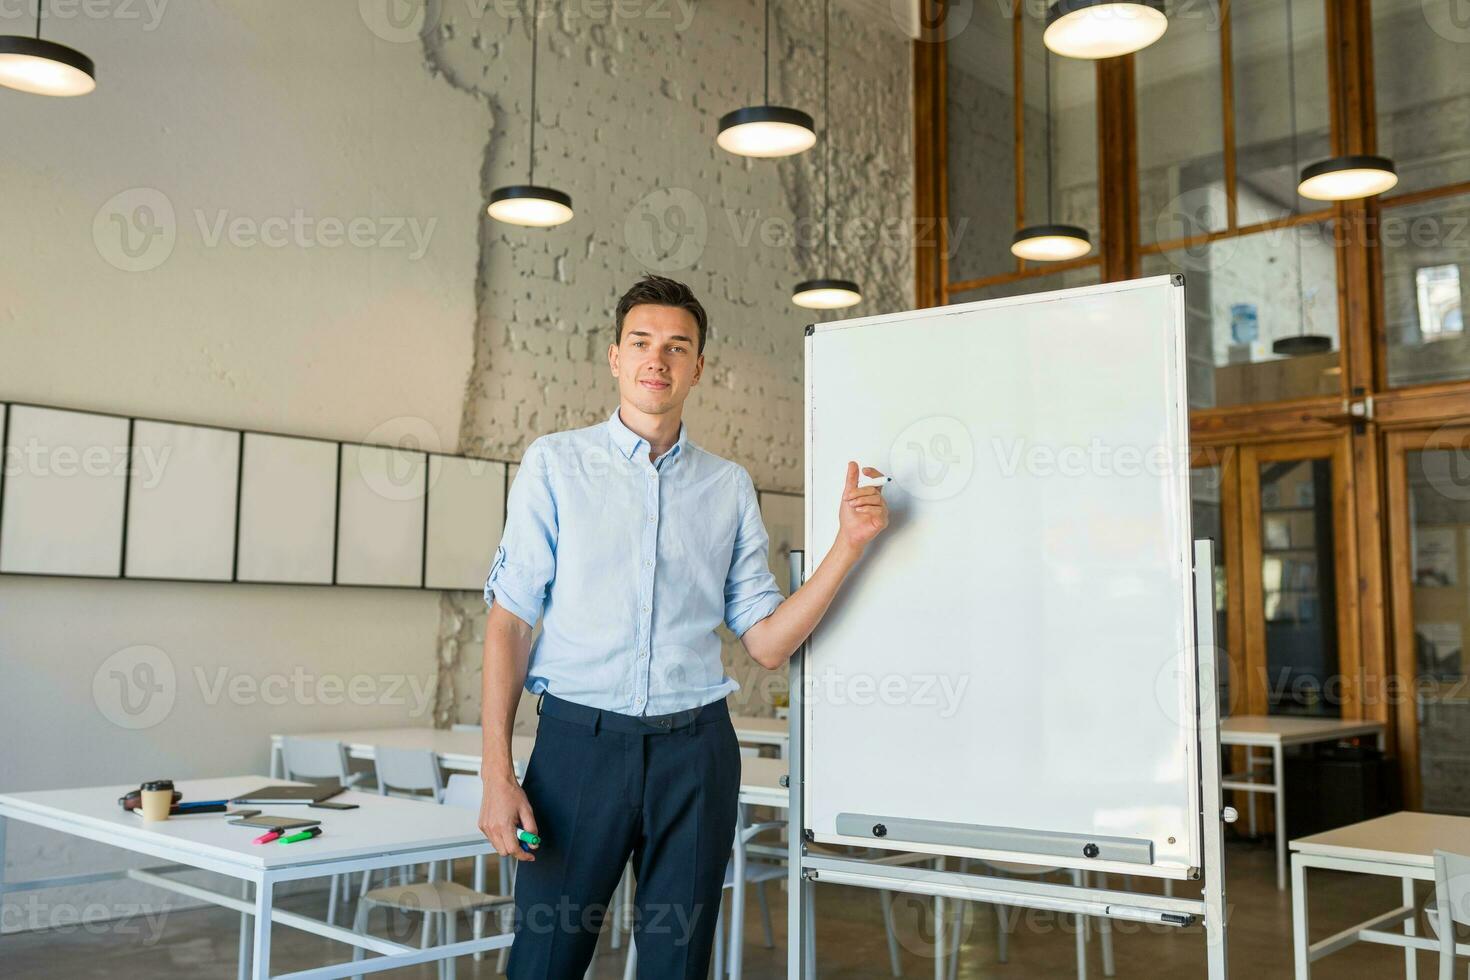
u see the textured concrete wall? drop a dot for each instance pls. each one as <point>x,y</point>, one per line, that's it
<point>627,111</point>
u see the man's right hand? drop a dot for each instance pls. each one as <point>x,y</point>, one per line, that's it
<point>503,808</point>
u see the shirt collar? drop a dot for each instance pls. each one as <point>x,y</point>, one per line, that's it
<point>628,441</point>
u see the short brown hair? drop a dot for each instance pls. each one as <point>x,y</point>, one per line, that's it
<point>662,291</point>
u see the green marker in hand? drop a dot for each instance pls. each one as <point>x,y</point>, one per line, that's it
<point>528,840</point>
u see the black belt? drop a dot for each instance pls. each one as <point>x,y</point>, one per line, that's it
<point>612,721</point>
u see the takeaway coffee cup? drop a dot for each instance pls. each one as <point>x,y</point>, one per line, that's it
<point>158,796</point>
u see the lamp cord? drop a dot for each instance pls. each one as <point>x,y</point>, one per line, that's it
<point>827,130</point>
<point>767,99</point>
<point>1301,285</point>
<point>535,33</point>
<point>1046,68</point>
<point>38,18</point>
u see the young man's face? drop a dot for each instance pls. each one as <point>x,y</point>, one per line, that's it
<point>657,360</point>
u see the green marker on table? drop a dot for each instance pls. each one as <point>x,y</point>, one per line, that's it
<point>527,838</point>
<point>307,834</point>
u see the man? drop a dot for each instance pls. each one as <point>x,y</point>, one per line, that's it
<point>631,544</point>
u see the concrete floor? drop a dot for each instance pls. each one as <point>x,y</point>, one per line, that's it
<point>851,943</point>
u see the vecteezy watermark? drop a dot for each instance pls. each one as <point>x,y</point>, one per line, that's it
<point>137,230</point>
<point>667,229</point>
<point>149,12</point>
<point>135,687</point>
<point>302,687</point>
<point>32,914</point>
<point>36,458</point>
<point>138,687</point>
<point>406,21</point>
<point>933,21</point>
<point>942,692</point>
<point>1445,463</point>
<point>1016,456</point>
<point>1450,19</point>
<point>933,458</point>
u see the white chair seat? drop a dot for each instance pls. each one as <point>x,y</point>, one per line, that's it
<point>434,896</point>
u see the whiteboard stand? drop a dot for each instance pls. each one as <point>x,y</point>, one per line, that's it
<point>807,870</point>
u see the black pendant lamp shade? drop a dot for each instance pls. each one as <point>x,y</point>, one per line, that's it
<point>1347,177</point>
<point>1051,243</point>
<point>29,64</point>
<point>1307,343</point>
<point>767,130</point>
<point>531,205</point>
<point>1094,29</point>
<point>826,294</point>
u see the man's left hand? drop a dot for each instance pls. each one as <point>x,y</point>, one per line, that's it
<point>863,512</point>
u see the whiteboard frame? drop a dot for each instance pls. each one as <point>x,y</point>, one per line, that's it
<point>1188,682</point>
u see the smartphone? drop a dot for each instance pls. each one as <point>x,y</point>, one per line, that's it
<point>329,805</point>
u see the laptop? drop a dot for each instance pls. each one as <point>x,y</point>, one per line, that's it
<point>276,795</point>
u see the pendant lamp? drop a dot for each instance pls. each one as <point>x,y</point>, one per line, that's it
<point>528,204</point>
<point>1050,242</point>
<point>766,130</point>
<point>1094,29</point>
<point>29,64</point>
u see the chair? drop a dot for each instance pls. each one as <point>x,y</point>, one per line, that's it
<point>1079,878</point>
<point>319,758</point>
<point>1449,906</point>
<point>445,898</point>
<point>410,773</point>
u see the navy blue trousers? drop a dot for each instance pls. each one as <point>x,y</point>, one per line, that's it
<point>606,787</point>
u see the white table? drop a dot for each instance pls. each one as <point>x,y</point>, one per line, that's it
<point>763,731</point>
<point>383,832</point>
<point>1274,733</point>
<point>1400,845</point>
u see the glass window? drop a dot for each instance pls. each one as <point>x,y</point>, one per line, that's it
<point>1088,275</point>
<point>1438,521</point>
<point>1208,521</point>
<point>981,144</point>
<point>1181,164</point>
<point>1275,136</point>
<point>1421,81</point>
<point>1298,587</point>
<point>1243,294</point>
<point>1426,269</point>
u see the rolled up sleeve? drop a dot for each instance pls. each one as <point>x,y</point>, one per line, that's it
<point>525,561</point>
<point>751,592</point>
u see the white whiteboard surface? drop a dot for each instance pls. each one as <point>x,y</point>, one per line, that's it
<point>288,504</point>
<point>1016,650</point>
<point>380,524</point>
<point>181,502</point>
<point>466,518</point>
<point>65,480</point>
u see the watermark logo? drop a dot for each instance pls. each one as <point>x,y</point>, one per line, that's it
<point>1446,466</point>
<point>398,475</point>
<point>135,230</point>
<point>667,229</point>
<point>394,21</point>
<point>934,21</point>
<point>933,459</point>
<point>1192,214</point>
<point>135,687</point>
<point>1450,19</point>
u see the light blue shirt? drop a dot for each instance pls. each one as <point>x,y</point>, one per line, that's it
<point>630,566</point>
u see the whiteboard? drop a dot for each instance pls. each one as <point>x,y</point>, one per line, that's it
<point>1009,671</point>
<point>65,481</point>
<point>288,509</point>
<point>381,516</point>
<point>466,518</point>
<point>181,501</point>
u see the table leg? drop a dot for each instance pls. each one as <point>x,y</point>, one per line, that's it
<point>1278,775</point>
<point>243,971</point>
<point>3,821</point>
<point>1250,798</point>
<point>278,765</point>
<point>263,890</point>
<point>1299,919</point>
<point>1411,927</point>
<point>941,961</point>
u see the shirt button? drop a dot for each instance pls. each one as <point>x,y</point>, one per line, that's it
<point>645,609</point>
<point>648,564</point>
<point>650,518</point>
